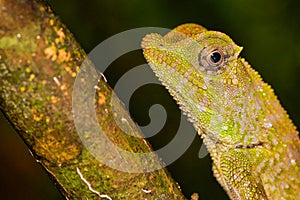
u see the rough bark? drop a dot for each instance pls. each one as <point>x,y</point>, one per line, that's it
<point>39,61</point>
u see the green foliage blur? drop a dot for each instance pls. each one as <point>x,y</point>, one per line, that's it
<point>268,30</point>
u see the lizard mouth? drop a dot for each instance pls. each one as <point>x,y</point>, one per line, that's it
<point>250,146</point>
<point>217,141</point>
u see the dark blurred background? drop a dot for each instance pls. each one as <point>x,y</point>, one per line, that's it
<point>268,30</point>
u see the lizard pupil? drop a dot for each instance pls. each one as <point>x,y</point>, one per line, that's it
<point>215,57</point>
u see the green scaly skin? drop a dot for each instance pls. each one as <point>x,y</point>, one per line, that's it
<point>254,145</point>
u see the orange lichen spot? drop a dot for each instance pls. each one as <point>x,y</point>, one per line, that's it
<point>47,119</point>
<point>44,82</point>
<point>22,89</point>
<point>85,169</point>
<point>63,87</point>
<point>37,117</point>
<point>61,149</point>
<point>49,9</point>
<point>63,56</point>
<point>54,99</point>
<point>41,8</point>
<point>31,77</point>
<point>195,196</point>
<point>69,153</point>
<point>50,52</point>
<point>27,70</point>
<point>51,22</point>
<point>101,98</point>
<point>69,70</point>
<point>61,35</point>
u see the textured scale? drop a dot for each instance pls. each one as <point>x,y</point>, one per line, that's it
<point>254,145</point>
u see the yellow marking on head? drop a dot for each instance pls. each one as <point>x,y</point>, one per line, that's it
<point>235,81</point>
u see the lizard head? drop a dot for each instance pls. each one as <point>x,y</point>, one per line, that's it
<point>202,70</point>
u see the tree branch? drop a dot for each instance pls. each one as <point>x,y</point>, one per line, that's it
<point>39,61</point>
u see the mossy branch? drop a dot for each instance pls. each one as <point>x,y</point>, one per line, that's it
<point>39,61</point>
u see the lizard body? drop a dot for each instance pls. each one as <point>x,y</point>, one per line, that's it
<point>254,145</point>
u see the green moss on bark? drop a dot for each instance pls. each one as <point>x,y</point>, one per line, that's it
<point>39,60</point>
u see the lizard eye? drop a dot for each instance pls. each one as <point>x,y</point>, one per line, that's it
<point>212,59</point>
